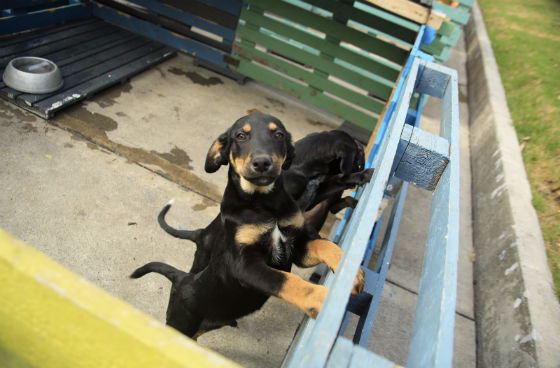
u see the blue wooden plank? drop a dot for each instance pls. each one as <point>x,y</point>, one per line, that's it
<point>44,17</point>
<point>364,358</point>
<point>157,7</point>
<point>159,34</point>
<point>365,324</point>
<point>432,335</point>
<point>341,354</point>
<point>320,339</point>
<point>424,158</point>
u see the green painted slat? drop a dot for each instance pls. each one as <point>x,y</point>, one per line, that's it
<point>390,73</point>
<point>310,78</point>
<point>306,94</point>
<point>337,30</point>
<point>380,86</point>
<point>371,20</point>
<point>447,28</point>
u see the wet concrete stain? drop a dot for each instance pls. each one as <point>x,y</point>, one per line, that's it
<point>109,97</point>
<point>277,104</point>
<point>204,205</point>
<point>178,157</point>
<point>196,78</point>
<point>175,166</point>
<point>10,114</point>
<point>28,128</point>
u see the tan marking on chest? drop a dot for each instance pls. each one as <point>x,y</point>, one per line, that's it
<point>248,234</point>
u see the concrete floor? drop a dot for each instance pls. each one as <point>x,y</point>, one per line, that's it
<point>85,188</point>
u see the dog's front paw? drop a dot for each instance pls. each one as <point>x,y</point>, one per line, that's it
<point>359,282</point>
<point>366,176</point>
<point>314,301</point>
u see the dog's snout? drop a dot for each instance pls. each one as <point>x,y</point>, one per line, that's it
<point>261,163</point>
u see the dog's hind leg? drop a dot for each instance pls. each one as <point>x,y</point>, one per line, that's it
<point>192,235</point>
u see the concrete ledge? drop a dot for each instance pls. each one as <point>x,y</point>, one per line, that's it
<point>517,313</point>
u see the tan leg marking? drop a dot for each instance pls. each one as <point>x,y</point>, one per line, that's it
<point>248,234</point>
<point>306,296</point>
<point>325,251</point>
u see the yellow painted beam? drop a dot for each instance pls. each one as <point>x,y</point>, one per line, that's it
<point>50,317</point>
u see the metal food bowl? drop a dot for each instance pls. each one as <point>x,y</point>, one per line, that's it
<point>32,75</point>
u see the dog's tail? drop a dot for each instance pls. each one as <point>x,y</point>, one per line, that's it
<point>164,269</point>
<point>181,234</point>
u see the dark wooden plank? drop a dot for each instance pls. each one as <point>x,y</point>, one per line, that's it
<point>153,19</point>
<point>95,65</point>
<point>49,106</point>
<point>25,4</point>
<point>43,18</point>
<point>151,31</point>
<point>10,39</point>
<point>22,47</point>
<point>185,17</point>
<point>205,11</point>
<point>63,44</point>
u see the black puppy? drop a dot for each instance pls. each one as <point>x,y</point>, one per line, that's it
<point>325,164</point>
<point>258,235</point>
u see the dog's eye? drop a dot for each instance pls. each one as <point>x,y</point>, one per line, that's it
<point>241,136</point>
<point>278,135</point>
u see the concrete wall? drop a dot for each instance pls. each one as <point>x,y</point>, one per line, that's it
<point>517,313</point>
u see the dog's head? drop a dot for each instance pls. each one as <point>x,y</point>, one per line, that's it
<point>257,146</point>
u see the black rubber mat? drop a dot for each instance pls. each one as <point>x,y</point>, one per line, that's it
<point>91,54</point>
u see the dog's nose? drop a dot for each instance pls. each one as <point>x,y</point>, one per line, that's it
<point>261,163</point>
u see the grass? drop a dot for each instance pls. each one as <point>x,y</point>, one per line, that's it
<point>525,37</point>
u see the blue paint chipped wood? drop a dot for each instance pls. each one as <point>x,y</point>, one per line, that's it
<point>423,159</point>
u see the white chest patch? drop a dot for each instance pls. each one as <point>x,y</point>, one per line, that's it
<point>277,243</point>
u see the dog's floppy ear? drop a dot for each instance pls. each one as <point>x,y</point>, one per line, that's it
<point>218,153</point>
<point>290,152</point>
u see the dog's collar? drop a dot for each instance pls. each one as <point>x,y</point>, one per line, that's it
<point>251,188</point>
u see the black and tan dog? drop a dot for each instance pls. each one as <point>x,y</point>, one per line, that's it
<point>258,235</point>
<point>325,164</point>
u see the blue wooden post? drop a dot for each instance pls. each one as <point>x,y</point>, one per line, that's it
<point>432,335</point>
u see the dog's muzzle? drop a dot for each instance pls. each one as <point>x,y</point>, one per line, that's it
<point>262,170</point>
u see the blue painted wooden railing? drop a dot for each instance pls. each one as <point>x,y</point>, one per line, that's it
<point>320,342</point>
